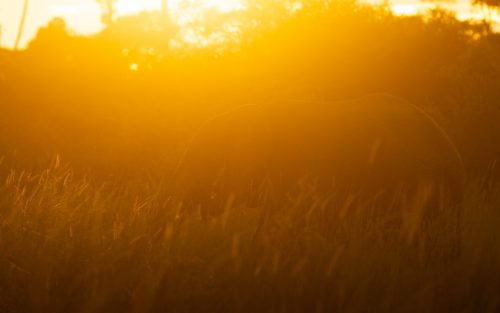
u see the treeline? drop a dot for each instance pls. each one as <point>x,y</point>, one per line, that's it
<point>128,98</point>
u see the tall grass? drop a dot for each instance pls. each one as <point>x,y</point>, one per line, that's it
<point>77,243</point>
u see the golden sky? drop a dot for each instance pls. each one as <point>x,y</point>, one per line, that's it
<point>83,16</point>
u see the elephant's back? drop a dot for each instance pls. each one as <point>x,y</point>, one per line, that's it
<point>377,140</point>
<point>410,142</point>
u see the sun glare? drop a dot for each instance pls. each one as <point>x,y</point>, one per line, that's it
<point>190,9</point>
<point>191,16</point>
<point>223,6</point>
<point>405,9</point>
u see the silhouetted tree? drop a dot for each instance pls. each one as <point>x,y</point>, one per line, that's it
<point>164,6</point>
<point>487,6</point>
<point>144,30</point>
<point>489,3</point>
<point>21,24</point>
<point>108,14</point>
<point>51,37</point>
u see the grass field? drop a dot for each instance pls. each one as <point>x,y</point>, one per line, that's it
<point>72,243</point>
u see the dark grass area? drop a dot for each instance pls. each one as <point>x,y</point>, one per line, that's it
<point>71,244</point>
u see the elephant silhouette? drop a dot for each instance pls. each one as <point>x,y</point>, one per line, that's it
<point>375,147</point>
